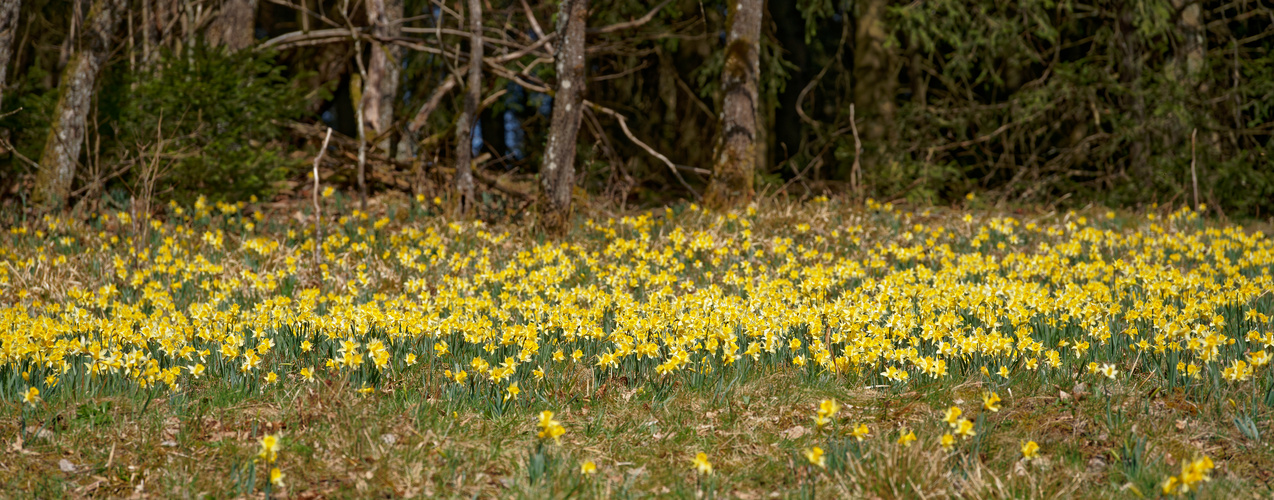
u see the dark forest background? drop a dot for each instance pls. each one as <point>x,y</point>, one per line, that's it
<point>1124,103</point>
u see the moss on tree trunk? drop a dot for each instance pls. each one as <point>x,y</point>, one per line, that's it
<point>735,158</point>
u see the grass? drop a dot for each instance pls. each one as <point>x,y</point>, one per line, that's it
<point>165,349</point>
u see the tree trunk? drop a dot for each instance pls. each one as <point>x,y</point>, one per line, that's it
<point>75,93</point>
<point>557,175</point>
<point>464,126</point>
<point>149,33</point>
<point>235,26</point>
<point>735,158</point>
<point>8,27</point>
<point>1190,55</point>
<point>875,83</point>
<point>383,69</point>
<point>1190,52</point>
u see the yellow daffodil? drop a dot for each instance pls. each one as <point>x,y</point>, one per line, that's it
<point>549,428</point>
<point>702,465</point>
<point>861,431</point>
<point>826,410</point>
<point>814,455</point>
<point>197,370</point>
<point>269,448</point>
<point>991,401</point>
<point>906,438</point>
<point>1030,450</point>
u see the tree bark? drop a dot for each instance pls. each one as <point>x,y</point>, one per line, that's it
<point>464,125</point>
<point>235,26</point>
<point>557,175</point>
<point>875,82</point>
<point>75,93</point>
<point>1194,43</point>
<point>381,88</point>
<point>735,159</point>
<point>8,27</point>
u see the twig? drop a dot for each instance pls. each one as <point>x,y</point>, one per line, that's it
<point>535,25</point>
<point>430,105</point>
<point>318,214</point>
<point>489,100</point>
<point>9,146</point>
<point>970,142</point>
<point>629,24</point>
<point>800,99</point>
<point>1194,176</point>
<point>623,125</point>
<point>621,74</point>
<point>856,173</point>
<point>362,132</point>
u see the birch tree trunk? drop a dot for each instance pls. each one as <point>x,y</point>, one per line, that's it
<point>75,93</point>
<point>383,70</point>
<point>8,27</point>
<point>464,125</point>
<point>735,158</point>
<point>557,175</point>
<point>234,26</point>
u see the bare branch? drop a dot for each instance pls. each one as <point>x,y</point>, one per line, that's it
<point>318,212</point>
<point>630,24</point>
<point>535,25</point>
<point>623,124</point>
<point>434,101</point>
<point>298,38</point>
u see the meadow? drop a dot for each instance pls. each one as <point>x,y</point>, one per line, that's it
<point>825,349</point>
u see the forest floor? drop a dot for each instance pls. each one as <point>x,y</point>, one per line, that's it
<point>814,350</point>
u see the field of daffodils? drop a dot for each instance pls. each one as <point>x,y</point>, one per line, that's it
<point>818,350</point>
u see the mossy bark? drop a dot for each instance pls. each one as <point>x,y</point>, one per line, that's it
<point>235,26</point>
<point>8,26</point>
<point>736,155</point>
<point>75,96</point>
